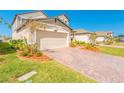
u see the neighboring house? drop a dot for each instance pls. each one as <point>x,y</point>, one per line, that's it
<point>1,39</point>
<point>122,39</point>
<point>82,35</point>
<point>101,35</point>
<point>55,35</point>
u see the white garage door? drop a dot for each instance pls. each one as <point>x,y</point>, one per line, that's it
<point>51,40</point>
<point>84,38</point>
<point>100,39</point>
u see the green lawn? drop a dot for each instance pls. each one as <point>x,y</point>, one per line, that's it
<point>50,71</point>
<point>119,44</point>
<point>112,51</point>
<point>5,48</point>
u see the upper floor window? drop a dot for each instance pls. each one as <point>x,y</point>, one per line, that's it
<point>20,21</point>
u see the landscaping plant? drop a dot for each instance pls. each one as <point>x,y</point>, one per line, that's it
<point>25,48</point>
<point>18,44</point>
<point>75,43</point>
<point>116,39</point>
<point>109,40</point>
<point>93,39</point>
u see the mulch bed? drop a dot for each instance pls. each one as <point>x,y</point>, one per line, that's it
<point>92,49</point>
<point>33,57</point>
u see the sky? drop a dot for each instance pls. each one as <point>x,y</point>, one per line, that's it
<point>91,20</point>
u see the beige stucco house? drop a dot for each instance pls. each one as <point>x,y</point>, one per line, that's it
<point>84,35</point>
<point>55,35</point>
<point>102,35</point>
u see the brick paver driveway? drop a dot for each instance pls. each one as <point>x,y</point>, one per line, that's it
<point>101,67</point>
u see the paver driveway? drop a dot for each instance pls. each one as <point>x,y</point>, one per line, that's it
<point>101,67</point>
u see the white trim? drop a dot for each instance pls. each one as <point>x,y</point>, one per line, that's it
<point>67,40</point>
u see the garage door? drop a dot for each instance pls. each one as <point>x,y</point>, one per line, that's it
<point>84,38</point>
<point>51,40</point>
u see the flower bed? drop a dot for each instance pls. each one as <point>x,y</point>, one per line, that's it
<point>33,57</point>
<point>94,49</point>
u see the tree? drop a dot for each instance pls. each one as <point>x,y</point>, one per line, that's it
<point>2,21</point>
<point>93,39</point>
<point>8,25</point>
<point>34,24</point>
<point>109,40</point>
<point>116,39</point>
<point>122,35</point>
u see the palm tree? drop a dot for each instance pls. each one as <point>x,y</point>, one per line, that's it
<point>34,24</point>
<point>5,22</point>
<point>109,40</point>
<point>1,19</point>
<point>9,26</point>
<point>93,38</point>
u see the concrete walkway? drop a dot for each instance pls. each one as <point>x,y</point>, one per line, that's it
<point>111,46</point>
<point>101,67</point>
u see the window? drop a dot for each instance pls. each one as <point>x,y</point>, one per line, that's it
<point>23,21</point>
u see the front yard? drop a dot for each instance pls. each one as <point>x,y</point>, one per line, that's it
<point>12,67</point>
<point>103,49</point>
<point>119,44</point>
<point>112,51</point>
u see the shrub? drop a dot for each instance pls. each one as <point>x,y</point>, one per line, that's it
<point>24,53</point>
<point>92,47</point>
<point>38,53</point>
<point>93,37</point>
<point>32,48</point>
<point>116,39</point>
<point>75,43</point>
<point>27,50</point>
<point>109,40</point>
<point>88,46</point>
<point>99,42</point>
<point>29,54</point>
<point>18,44</point>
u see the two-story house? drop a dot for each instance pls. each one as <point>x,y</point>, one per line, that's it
<point>56,34</point>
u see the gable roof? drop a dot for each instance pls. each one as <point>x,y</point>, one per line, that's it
<point>63,23</point>
<point>103,33</point>
<point>57,20</point>
<point>81,31</point>
<point>63,15</point>
<point>44,19</point>
<point>28,16</point>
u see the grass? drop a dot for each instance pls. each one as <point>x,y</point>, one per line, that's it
<point>112,51</point>
<point>49,71</point>
<point>119,44</point>
<point>5,48</point>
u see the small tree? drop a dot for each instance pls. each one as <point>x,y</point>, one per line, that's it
<point>93,39</point>
<point>116,39</point>
<point>34,25</point>
<point>121,35</point>
<point>109,40</point>
<point>2,21</point>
